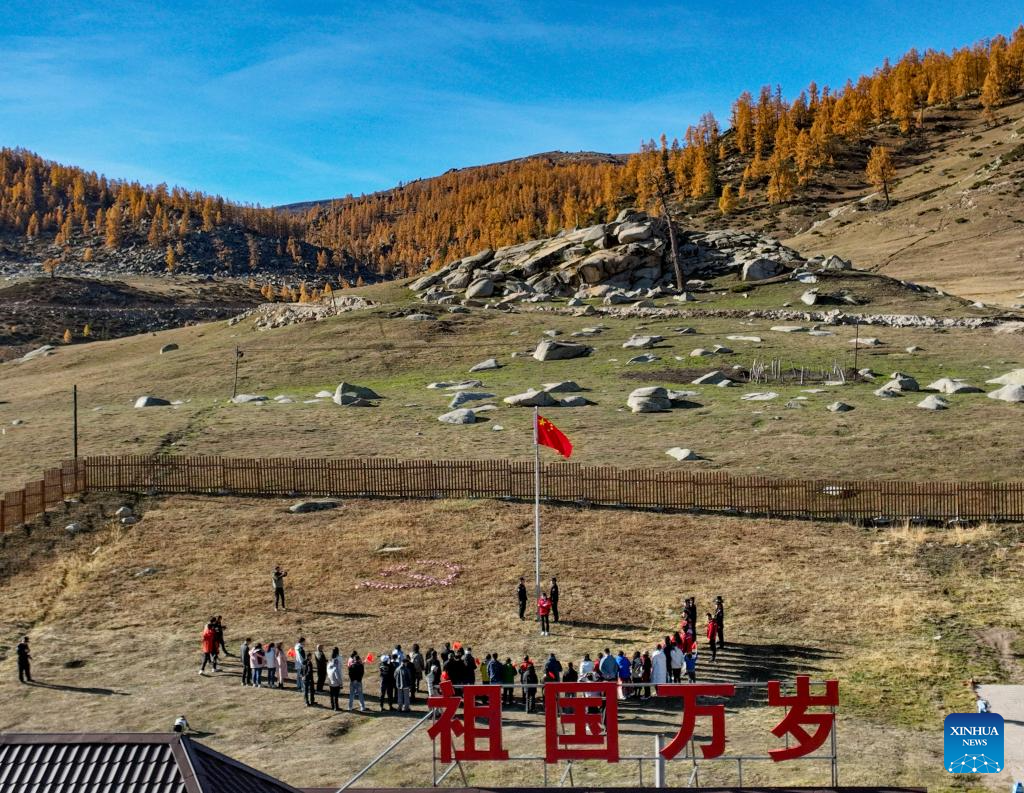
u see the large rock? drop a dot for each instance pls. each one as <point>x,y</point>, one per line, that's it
<point>462,397</point>
<point>483,366</point>
<point>759,269</point>
<point>642,342</point>
<point>682,455</point>
<point>604,264</point>
<point>1008,393</point>
<point>168,348</point>
<point>633,232</point>
<point>562,386</point>
<point>712,378</point>
<point>40,352</point>
<point>933,402</point>
<point>483,287</point>
<point>151,402</point>
<point>353,401</point>
<point>901,383</point>
<point>947,385</point>
<point>1016,377</point>
<point>319,505</point>
<point>459,416</point>
<point>835,263</point>
<point>532,398</point>
<point>424,283</point>
<point>362,392</point>
<point>650,399</point>
<point>559,350</point>
<point>840,407</point>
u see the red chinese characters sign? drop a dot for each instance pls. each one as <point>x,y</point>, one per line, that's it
<point>581,720</point>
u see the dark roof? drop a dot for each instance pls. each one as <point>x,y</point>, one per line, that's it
<point>124,763</point>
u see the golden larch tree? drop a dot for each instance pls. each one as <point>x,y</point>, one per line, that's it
<point>880,170</point>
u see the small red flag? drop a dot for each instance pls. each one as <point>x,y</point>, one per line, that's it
<point>549,435</point>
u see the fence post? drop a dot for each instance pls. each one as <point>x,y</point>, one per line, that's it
<point>659,762</point>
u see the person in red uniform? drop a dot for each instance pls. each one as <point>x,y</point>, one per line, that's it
<point>712,631</point>
<point>544,611</point>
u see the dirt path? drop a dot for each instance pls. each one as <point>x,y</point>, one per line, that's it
<point>1008,702</point>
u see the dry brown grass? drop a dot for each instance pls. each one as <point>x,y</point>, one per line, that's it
<point>802,597</point>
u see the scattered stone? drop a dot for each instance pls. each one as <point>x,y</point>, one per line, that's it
<point>1016,377</point>
<point>651,399</point>
<point>866,341</point>
<point>359,391</point>
<point>574,402</point>
<point>483,366</point>
<point>789,329</point>
<point>901,382</point>
<point>682,455</point>
<point>559,350</point>
<point>151,402</point>
<point>419,317</point>
<point>684,331</point>
<point>722,350</point>
<point>685,297</point>
<point>946,385</point>
<point>146,571</point>
<point>1008,393</point>
<point>933,402</point>
<point>645,358</point>
<point>759,396</point>
<point>819,332</point>
<point>75,528</point>
<point>839,407</point>
<point>459,416</point>
<point>914,348</point>
<point>454,386</point>
<point>795,404</point>
<point>532,398</point>
<point>887,393</point>
<point>129,520</point>
<point>124,511</point>
<point>247,399</point>
<point>168,348</point>
<point>835,263</point>
<point>712,378</point>
<point>40,352</point>
<point>323,394</point>
<point>352,401</point>
<point>700,352</point>
<point>497,428</point>
<point>642,342</point>
<point>562,386</point>
<point>810,297</point>
<point>754,339</point>
<point>319,505</point>
<point>462,397</point>
<point>17,422</point>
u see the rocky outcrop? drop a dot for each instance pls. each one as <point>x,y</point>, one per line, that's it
<point>629,257</point>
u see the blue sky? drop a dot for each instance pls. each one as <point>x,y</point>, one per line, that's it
<point>274,102</point>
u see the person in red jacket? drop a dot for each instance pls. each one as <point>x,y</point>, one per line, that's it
<point>209,647</point>
<point>712,635</point>
<point>543,611</point>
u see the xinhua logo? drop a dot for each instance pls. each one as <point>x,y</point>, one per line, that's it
<point>973,743</point>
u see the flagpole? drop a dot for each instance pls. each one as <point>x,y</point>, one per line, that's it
<point>536,499</point>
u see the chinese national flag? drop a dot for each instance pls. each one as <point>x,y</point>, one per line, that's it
<point>549,435</point>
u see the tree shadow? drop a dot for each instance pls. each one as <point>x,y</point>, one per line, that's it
<point>348,615</point>
<point>103,692</point>
<point>601,626</point>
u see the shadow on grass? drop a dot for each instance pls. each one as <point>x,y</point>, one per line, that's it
<point>103,692</point>
<point>600,626</point>
<point>348,615</point>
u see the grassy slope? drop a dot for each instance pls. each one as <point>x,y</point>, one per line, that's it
<point>888,613</point>
<point>889,438</point>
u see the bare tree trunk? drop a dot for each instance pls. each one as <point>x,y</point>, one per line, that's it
<point>680,278</point>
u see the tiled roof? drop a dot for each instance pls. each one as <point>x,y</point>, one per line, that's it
<point>123,763</point>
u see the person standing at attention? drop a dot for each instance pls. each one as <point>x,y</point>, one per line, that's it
<point>712,631</point>
<point>278,579</point>
<point>321,667</point>
<point>308,687</point>
<point>720,620</point>
<point>334,679</point>
<point>403,683</point>
<point>270,660</point>
<point>258,661</point>
<point>355,681</point>
<point>300,663</point>
<point>543,610</point>
<point>24,661</point>
<point>521,594</point>
<point>554,598</point>
<point>282,665</point>
<point>243,654</point>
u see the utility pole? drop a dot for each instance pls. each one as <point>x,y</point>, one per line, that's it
<point>74,419</point>
<point>234,388</point>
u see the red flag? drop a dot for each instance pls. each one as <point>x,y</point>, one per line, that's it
<point>549,435</point>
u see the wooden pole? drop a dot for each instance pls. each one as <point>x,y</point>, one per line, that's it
<point>536,503</point>
<point>74,419</point>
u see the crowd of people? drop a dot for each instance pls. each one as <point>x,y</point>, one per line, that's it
<point>404,675</point>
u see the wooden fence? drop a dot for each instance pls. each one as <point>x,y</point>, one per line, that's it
<point>20,506</point>
<point>671,489</point>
